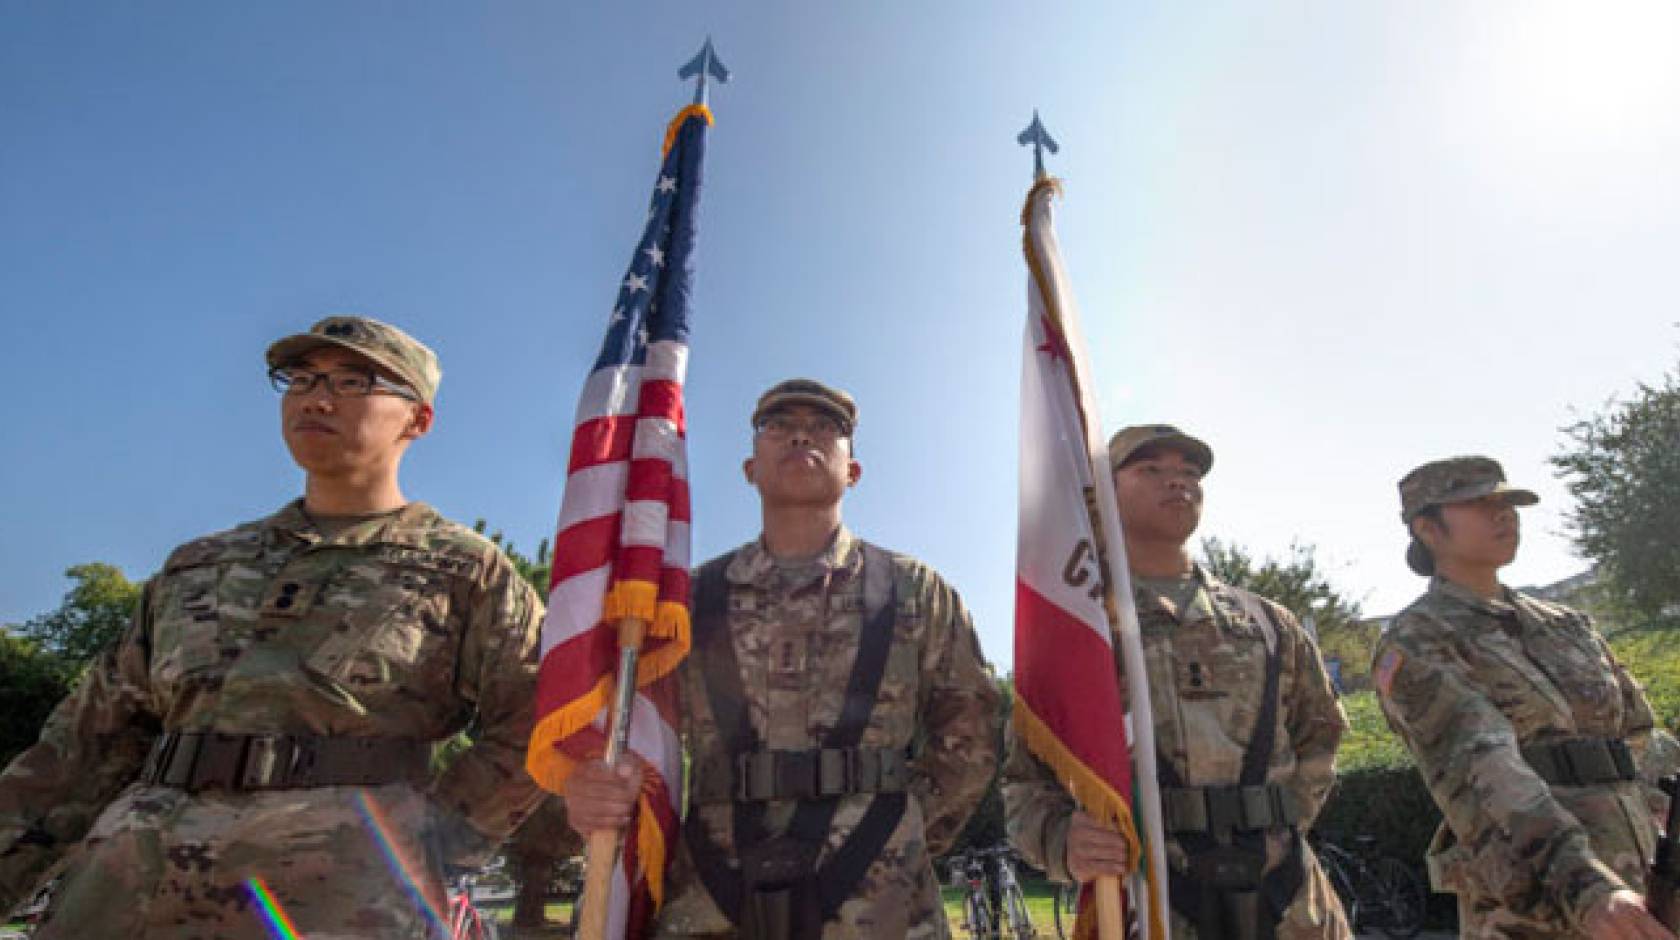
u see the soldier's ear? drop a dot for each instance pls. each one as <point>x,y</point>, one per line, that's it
<point>1426,530</point>
<point>747,471</point>
<point>420,423</point>
<point>854,472</point>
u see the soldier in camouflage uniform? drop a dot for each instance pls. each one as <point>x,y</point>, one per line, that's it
<point>795,613</point>
<point>266,721</point>
<point>1215,655</point>
<point>1526,730</point>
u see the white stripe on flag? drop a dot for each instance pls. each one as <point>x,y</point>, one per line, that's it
<point>593,492</point>
<point>609,391</point>
<point>667,360</point>
<point>574,606</point>
<point>644,523</point>
<point>658,744</point>
<point>676,545</point>
<point>655,437</point>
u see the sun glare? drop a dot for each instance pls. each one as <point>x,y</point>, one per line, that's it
<point>1586,76</point>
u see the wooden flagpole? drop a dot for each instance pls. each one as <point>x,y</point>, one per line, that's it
<point>601,857</point>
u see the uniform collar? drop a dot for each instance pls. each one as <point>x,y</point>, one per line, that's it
<point>753,562</point>
<point>1198,609</point>
<point>1503,606</point>
<point>402,527</point>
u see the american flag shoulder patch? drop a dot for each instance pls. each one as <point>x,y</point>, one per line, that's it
<point>1390,664</point>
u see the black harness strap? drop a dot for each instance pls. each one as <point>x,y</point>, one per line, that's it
<point>1190,896</point>
<point>720,874</point>
<point>811,819</point>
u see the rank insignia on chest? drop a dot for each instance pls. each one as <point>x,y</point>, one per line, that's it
<point>1196,682</point>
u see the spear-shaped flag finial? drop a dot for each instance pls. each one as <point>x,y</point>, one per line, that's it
<point>705,63</point>
<point>1041,141</point>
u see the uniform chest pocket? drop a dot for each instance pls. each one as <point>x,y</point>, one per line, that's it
<point>187,629</point>
<point>1579,669</point>
<point>1221,673</point>
<point>388,631</point>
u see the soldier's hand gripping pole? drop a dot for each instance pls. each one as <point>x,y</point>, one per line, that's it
<point>1662,888</point>
<point>602,855</point>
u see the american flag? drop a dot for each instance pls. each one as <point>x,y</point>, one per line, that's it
<point>621,547</point>
<point>1071,707</point>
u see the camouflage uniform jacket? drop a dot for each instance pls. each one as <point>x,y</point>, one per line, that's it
<point>405,625</point>
<point>795,639</point>
<point>1467,682</point>
<point>1207,666</point>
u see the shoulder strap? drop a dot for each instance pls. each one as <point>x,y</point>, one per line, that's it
<point>726,695</point>
<point>1258,757</point>
<point>722,672</point>
<point>848,864</point>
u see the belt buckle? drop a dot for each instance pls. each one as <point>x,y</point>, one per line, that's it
<point>163,752</point>
<point>836,771</point>
<point>1221,801</point>
<point>755,779</point>
<point>268,762</point>
<point>1256,807</point>
<point>796,774</point>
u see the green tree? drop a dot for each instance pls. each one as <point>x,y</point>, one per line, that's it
<point>40,659</point>
<point>533,570</point>
<point>32,681</point>
<point>1297,582</point>
<point>1623,468</point>
<point>92,615</point>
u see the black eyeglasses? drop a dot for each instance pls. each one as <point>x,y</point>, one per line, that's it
<point>341,383</point>
<point>819,427</point>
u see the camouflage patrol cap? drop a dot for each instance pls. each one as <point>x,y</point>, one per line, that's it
<point>1125,444</point>
<point>1455,480</point>
<point>810,392</point>
<point>404,356</point>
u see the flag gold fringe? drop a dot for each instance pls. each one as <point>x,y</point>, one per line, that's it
<point>1094,796</point>
<point>650,845</point>
<point>1091,792</point>
<point>546,764</point>
<point>676,124</point>
<point>1044,182</point>
<point>631,598</point>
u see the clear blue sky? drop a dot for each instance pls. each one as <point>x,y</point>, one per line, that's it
<point>1334,239</point>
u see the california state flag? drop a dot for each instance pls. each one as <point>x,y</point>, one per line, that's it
<point>1071,705</point>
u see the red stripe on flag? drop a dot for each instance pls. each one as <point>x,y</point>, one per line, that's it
<point>1065,671</point>
<point>584,547</point>
<point>662,398</point>
<point>650,479</point>
<point>639,563</point>
<point>678,499</point>
<point>602,440</point>
<point>673,584</point>
<point>568,671</point>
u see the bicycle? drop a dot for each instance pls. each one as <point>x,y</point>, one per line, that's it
<point>1381,893</point>
<point>1066,908</point>
<point>995,902</point>
<point>466,922</point>
<point>977,907</point>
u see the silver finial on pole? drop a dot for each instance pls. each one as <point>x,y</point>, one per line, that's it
<point>705,63</point>
<point>1041,141</point>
